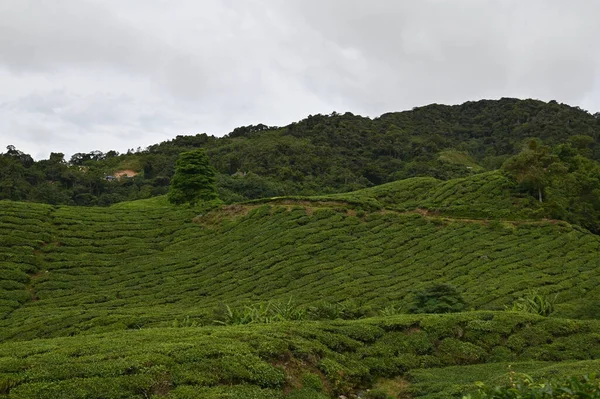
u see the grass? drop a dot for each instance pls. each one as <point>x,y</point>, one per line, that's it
<point>89,296</point>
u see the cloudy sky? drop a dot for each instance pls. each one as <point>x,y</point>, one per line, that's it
<point>81,75</point>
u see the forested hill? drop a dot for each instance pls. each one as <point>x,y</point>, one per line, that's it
<point>317,155</point>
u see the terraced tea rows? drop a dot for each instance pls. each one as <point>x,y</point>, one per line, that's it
<point>488,195</point>
<point>24,229</point>
<point>307,360</point>
<point>105,285</point>
<point>102,269</point>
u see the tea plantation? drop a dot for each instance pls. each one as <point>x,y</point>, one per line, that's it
<point>127,301</point>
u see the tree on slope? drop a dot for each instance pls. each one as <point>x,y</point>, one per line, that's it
<point>194,179</point>
<point>438,298</point>
<point>535,168</point>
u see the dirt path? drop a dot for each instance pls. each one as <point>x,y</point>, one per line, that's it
<point>237,210</point>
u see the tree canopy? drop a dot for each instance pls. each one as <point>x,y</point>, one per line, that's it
<point>194,179</point>
<point>320,154</point>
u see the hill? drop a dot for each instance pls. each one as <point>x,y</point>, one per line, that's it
<point>69,270</point>
<point>429,356</point>
<point>317,155</point>
<point>300,288</point>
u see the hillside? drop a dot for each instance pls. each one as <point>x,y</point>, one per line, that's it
<point>427,356</point>
<point>70,270</point>
<point>306,296</point>
<point>125,291</point>
<point>108,286</point>
<point>317,155</point>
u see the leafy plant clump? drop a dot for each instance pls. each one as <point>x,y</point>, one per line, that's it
<point>439,298</point>
<point>535,302</point>
<point>524,387</point>
<point>194,179</point>
<point>263,313</point>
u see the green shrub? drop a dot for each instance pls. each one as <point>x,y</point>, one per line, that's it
<point>265,312</point>
<point>524,387</point>
<point>535,302</point>
<point>324,310</point>
<point>454,351</point>
<point>287,310</point>
<point>389,310</point>
<point>185,322</point>
<point>6,384</point>
<point>377,394</point>
<point>439,298</point>
<point>312,381</point>
<point>306,393</point>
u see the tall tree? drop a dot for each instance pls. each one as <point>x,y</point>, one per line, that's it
<point>194,179</point>
<point>535,167</point>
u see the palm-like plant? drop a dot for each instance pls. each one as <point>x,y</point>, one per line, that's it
<point>535,302</point>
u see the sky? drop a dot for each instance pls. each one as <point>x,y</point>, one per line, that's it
<point>84,75</point>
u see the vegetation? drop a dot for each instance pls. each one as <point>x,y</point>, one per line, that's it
<point>534,302</point>
<point>481,264</point>
<point>503,379</point>
<point>321,359</point>
<point>525,387</point>
<point>73,270</point>
<point>317,155</point>
<point>194,179</point>
<point>440,298</point>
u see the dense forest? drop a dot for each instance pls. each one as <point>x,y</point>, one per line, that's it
<point>318,155</point>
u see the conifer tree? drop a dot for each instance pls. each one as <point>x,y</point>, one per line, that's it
<point>194,179</point>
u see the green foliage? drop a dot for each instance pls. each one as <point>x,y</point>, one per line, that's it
<point>376,394</point>
<point>268,312</point>
<point>312,381</point>
<point>439,298</point>
<point>194,179</point>
<point>525,387</point>
<point>569,181</point>
<point>7,383</point>
<point>459,381</point>
<point>535,168</point>
<point>389,310</point>
<point>325,310</point>
<point>331,357</point>
<point>69,271</point>
<point>185,322</point>
<point>535,302</point>
<point>306,393</point>
<point>87,275</point>
<point>488,195</point>
<point>318,155</point>
<point>460,158</point>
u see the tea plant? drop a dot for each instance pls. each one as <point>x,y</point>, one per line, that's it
<point>524,387</point>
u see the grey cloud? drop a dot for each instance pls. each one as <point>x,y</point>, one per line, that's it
<point>46,37</point>
<point>450,51</point>
<point>68,122</point>
<point>38,35</point>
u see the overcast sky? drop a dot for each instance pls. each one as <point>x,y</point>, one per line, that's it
<point>81,75</point>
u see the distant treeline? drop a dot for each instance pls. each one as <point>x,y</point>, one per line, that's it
<point>318,155</point>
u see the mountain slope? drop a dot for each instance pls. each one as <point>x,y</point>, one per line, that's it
<point>121,302</point>
<point>312,360</point>
<point>98,269</point>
